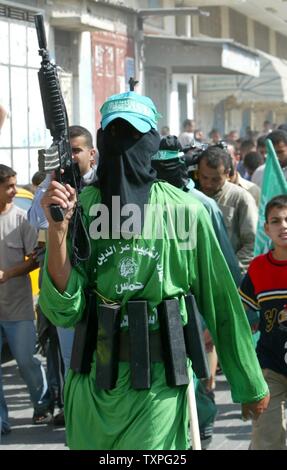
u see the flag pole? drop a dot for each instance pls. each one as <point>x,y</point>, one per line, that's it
<point>193,417</point>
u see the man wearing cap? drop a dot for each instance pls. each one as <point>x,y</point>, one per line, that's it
<point>140,259</point>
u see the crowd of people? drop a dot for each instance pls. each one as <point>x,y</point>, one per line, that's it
<point>132,393</point>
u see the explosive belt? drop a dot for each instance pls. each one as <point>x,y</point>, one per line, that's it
<point>100,330</point>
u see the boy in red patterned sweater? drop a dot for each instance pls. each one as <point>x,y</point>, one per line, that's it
<point>264,288</point>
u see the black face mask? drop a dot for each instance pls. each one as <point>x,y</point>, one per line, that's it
<point>119,136</point>
<point>124,168</point>
<point>173,171</point>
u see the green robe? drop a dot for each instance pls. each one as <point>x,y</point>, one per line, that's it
<point>152,269</point>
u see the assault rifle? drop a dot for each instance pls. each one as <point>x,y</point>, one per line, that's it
<point>58,157</point>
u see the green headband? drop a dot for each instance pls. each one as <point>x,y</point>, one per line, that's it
<point>167,155</point>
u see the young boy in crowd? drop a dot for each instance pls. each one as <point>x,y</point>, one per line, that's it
<point>264,288</point>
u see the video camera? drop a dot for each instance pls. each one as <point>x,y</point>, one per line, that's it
<point>193,152</point>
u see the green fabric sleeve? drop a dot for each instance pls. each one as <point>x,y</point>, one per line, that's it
<point>63,309</point>
<point>223,312</point>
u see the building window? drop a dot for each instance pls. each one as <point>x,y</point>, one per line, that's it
<point>154,3</point>
<point>211,25</point>
<point>238,27</point>
<point>23,131</point>
<point>261,37</point>
<point>144,4</point>
<point>154,21</point>
<point>281,43</point>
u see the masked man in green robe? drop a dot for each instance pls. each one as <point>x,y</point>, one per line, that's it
<point>150,243</point>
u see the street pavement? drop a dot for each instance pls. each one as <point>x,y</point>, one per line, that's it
<point>230,432</point>
<point>25,435</point>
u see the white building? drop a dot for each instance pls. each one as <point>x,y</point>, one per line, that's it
<point>211,73</point>
<point>91,41</point>
<point>228,69</point>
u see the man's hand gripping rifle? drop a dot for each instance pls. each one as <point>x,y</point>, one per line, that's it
<point>58,157</point>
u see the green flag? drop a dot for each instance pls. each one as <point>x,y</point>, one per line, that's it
<point>273,185</point>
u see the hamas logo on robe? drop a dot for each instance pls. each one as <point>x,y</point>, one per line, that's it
<point>128,267</point>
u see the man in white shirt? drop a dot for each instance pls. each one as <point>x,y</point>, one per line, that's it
<point>18,240</point>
